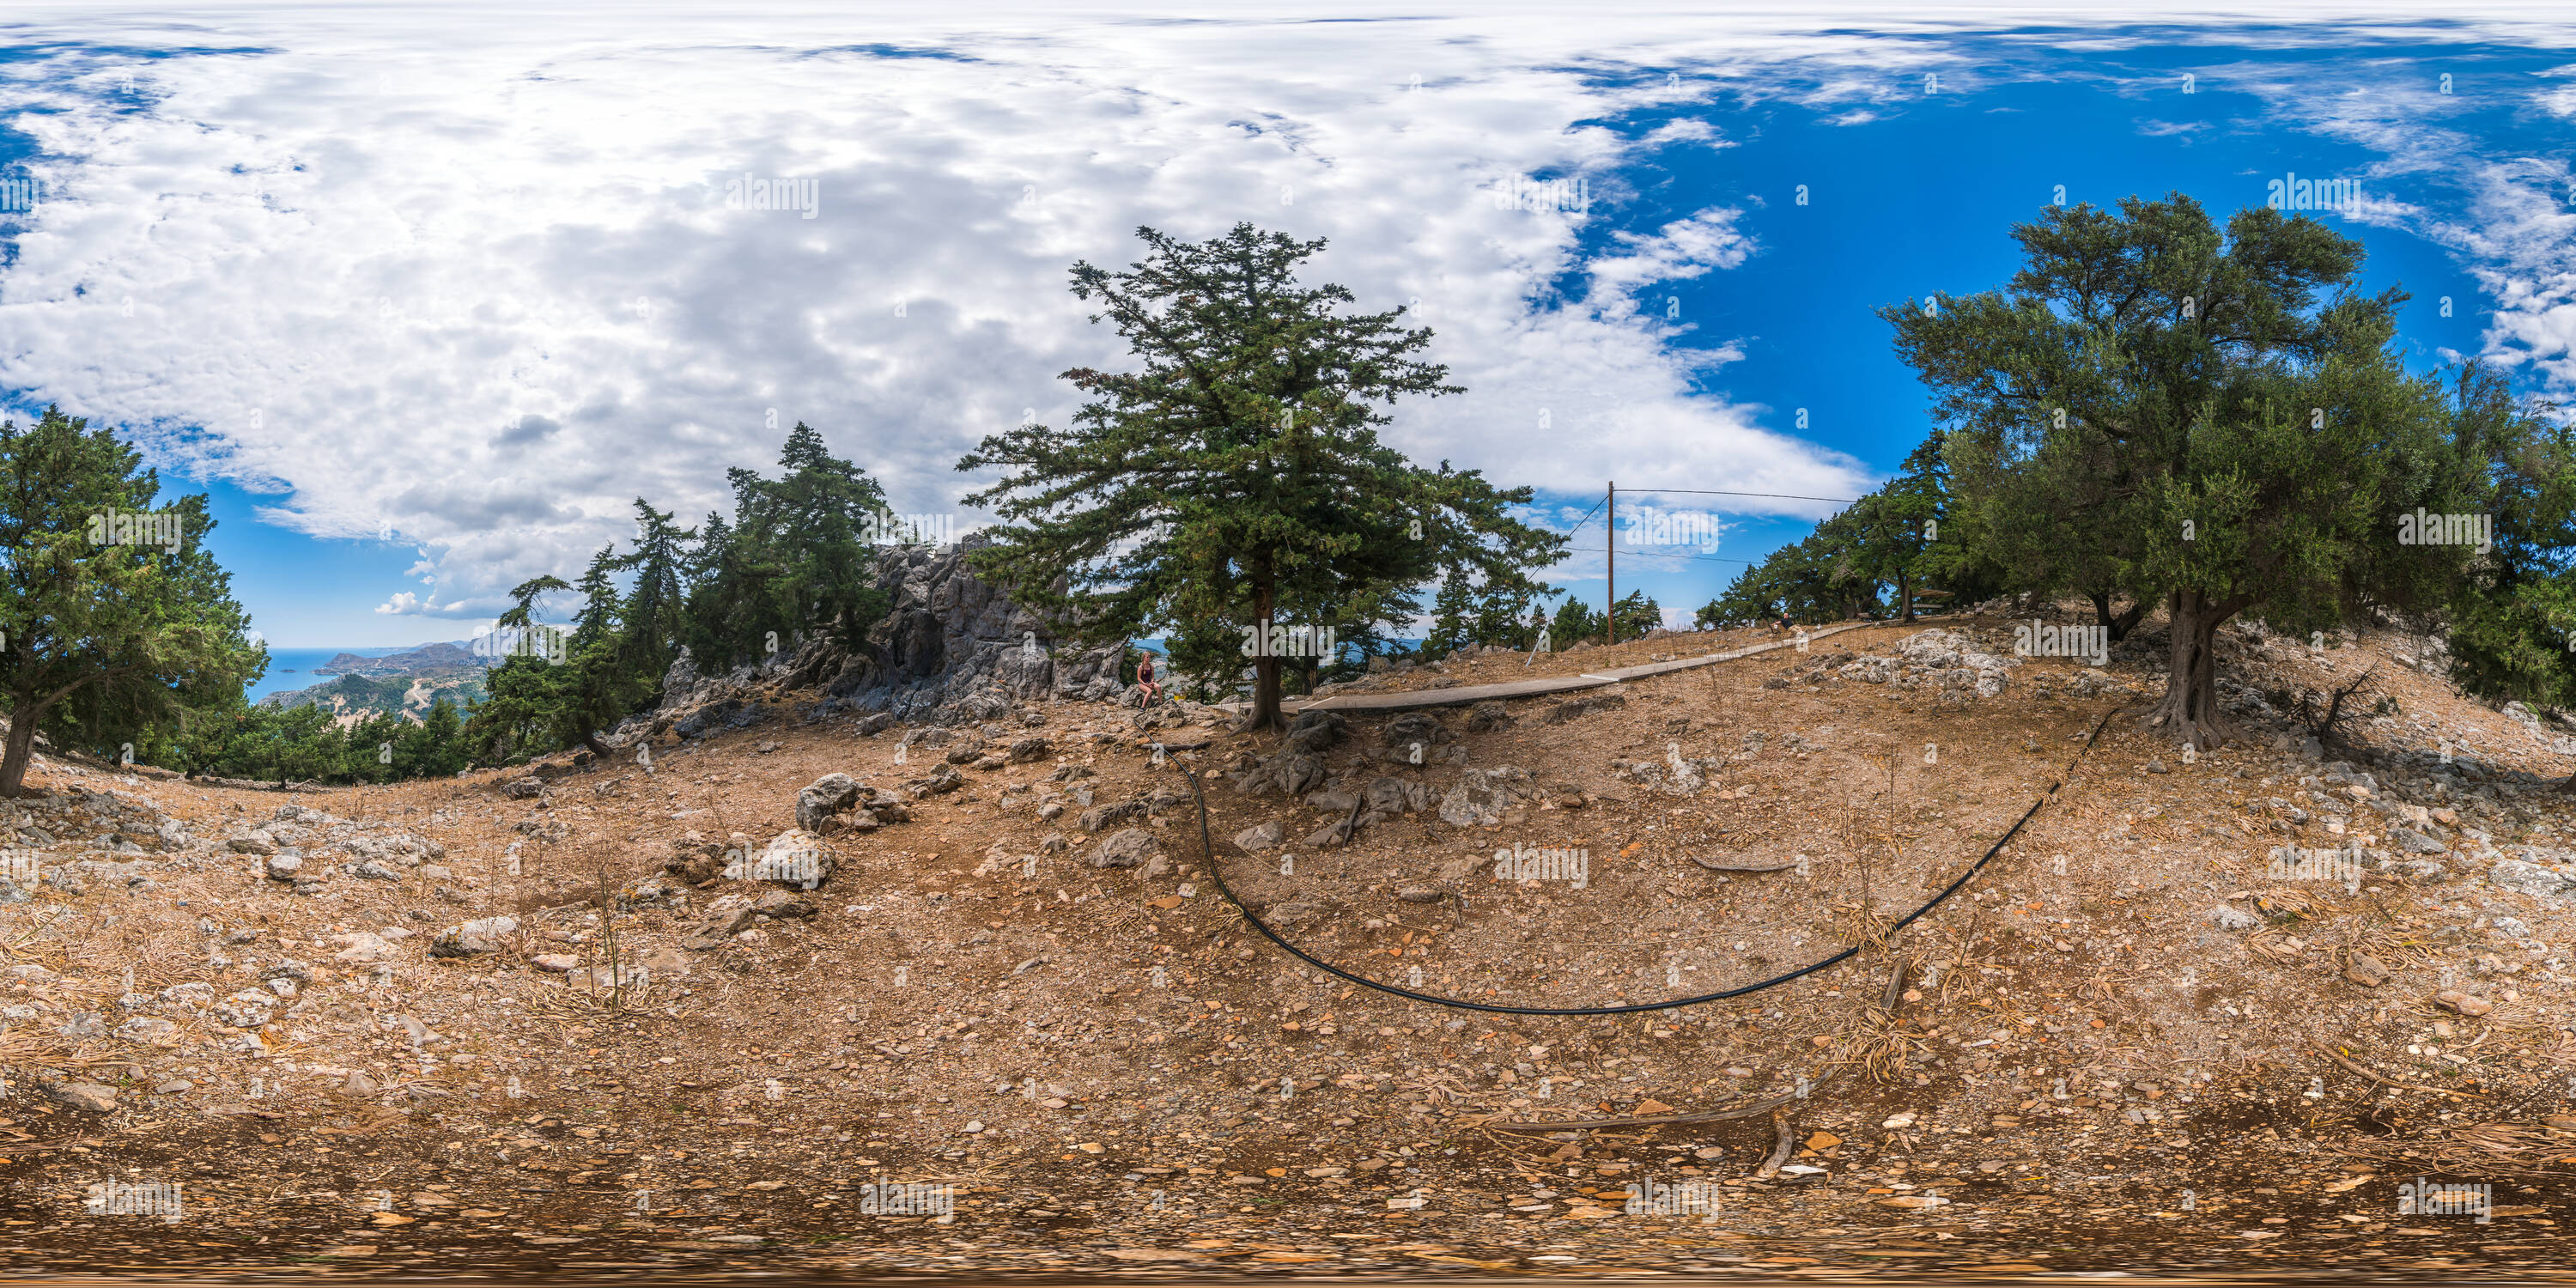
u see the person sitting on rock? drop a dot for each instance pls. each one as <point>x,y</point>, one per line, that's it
<point>1146,689</point>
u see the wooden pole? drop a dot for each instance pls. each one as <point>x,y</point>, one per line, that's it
<point>1610,546</point>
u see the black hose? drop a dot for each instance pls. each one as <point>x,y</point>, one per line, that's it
<point>1207,844</point>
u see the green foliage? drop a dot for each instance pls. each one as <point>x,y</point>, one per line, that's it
<point>1469,611</point>
<point>1637,614</point>
<point>2513,618</point>
<point>2215,421</point>
<point>1574,623</point>
<point>108,643</point>
<point>1236,477</point>
<point>795,558</point>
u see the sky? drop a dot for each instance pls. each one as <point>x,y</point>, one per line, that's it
<point>424,297</point>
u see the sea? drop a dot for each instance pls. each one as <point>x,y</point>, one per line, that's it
<point>302,661</point>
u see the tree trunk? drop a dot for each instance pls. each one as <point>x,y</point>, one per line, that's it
<point>21,748</point>
<point>591,740</point>
<point>1266,713</point>
<point>2189,713</point>
<point>2121,625</point>
<point>1905,594</point>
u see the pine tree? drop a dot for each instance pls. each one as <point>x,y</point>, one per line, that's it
<point>105,642</point>
<point>654,626</point>
<point>1235,480</point>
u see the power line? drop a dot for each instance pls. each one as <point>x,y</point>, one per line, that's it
<point>1587,517</point>
<point>1777,496</point>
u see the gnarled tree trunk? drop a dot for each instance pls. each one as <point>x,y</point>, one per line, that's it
<point>2189,713</point>
<point>2121,625</point>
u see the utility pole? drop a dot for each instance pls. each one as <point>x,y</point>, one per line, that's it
<point>1610,546</point>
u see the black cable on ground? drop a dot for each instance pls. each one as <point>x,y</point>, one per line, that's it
<point>1207,845</point>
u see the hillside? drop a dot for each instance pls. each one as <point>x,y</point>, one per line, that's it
<point>406,683</point>
<point>377,1027</point>
<point>429,660</point>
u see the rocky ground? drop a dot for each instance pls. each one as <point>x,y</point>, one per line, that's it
<point>696,1005</point>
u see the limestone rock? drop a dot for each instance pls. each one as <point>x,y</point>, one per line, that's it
<point>2230,917</point>
<point>473,938</point>
<point>1260,837</point>
<point>1483,795</point>
<point>2463,1003</point>
<point>88,1097</point>
<point>2533,879</point>
<point>1125,849</point>
<point>1416,727</point>
<point>725,918</point>
<point>825,797</point>
<point>1102,817</point>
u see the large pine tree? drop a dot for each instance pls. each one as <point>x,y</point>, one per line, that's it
<point>1235,479</point>
<point>105,642</point>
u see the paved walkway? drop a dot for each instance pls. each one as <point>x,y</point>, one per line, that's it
<point>1471,693</point>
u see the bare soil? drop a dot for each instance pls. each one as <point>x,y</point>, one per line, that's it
<point>2085,1068</point>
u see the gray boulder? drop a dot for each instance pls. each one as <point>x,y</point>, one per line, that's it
<point>1483,795</point>
<point>88,1097</point>
<point>1125,849</point>
<point>825,797</point>
<point>1416,727</point>
<point>2532,879</point>
<point>1103,817</point>
<point>473,938</point>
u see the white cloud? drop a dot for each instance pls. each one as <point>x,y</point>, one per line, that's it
<point>475,281</point>
<point>485,290</point>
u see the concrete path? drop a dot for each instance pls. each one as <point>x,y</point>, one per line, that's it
<point>1472,693</point>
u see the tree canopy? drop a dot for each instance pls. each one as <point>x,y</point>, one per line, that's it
<point>1234,478</point>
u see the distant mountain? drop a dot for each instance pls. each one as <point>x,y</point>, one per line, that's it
<point>405,683</point>
<point>428,659</point>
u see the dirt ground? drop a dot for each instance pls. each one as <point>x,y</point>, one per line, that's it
<point>2133,1042</point>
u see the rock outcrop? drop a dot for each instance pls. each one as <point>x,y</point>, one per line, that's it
<point>953,650</point>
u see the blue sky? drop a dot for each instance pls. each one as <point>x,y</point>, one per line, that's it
<point>425,301</point>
